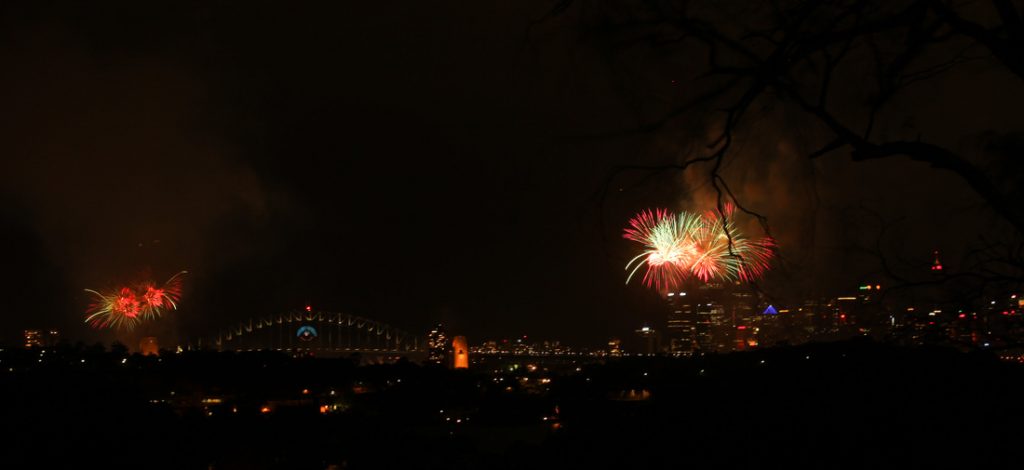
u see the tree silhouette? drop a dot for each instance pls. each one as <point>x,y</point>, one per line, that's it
<point>842,66</point>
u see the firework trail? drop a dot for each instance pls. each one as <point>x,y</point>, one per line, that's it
<point>127,307</point>
<point>708,247</point>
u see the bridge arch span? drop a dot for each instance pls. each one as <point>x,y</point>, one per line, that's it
<point>318,331</point>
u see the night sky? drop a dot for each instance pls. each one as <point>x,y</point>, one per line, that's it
<point>414,162</point>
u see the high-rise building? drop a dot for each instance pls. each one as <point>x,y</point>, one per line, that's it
<point>33,338</point>
<point>615,347</point>
<point>650,339</point>
<point>41,338</point>
<point>744,319</point>
<point>681,328</point>
<point>704,317</point>
<point>437,345</point>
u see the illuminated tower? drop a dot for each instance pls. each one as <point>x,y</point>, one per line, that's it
<point>937,265</point>
<point>148,346</point>
<point>461,353</point>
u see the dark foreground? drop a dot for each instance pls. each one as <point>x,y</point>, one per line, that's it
<point>840,405</point>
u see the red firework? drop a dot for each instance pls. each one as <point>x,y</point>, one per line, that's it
<point>125,308</point>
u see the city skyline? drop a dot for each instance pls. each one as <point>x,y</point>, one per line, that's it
<point>337,172</point>
<point>626,234</point>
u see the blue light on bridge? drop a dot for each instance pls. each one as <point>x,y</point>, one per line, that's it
<point>306,333</point>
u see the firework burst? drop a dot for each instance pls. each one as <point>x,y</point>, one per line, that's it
<point>126,307</point>
<point>668,246</point>
<point>155,300</point>
<point>119,310</point>
<point>725,253</point>
<point>708,247</point>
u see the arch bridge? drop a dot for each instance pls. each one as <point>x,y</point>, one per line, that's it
<point>327,333</point>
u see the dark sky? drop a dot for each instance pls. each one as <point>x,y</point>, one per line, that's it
<point>411,162</point>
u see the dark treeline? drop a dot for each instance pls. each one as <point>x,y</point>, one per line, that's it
<point>840,405</point>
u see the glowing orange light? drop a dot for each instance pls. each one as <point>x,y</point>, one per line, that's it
<point>265,409</point>
<point>461,348</point>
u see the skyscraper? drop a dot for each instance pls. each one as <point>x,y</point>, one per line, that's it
<point>650,339</point>
<point>681,328</point>
<point>697,319</point>
<point>437,345</point>
<point>714,330</point>
<point>33,338</point>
